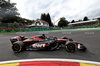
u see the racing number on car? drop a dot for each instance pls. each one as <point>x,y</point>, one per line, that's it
<point>38,45</point>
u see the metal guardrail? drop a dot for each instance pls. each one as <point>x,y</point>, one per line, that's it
<point>82,27</point>
<point>33,29</point>
<point>25,30</point>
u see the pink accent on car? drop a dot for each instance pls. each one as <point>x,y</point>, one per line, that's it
<point>76,41</point>
<point>36,38</point>
<point>62,39</point>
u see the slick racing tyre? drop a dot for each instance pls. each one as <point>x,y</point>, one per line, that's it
<point>71,47</point>
<point>17,46</point>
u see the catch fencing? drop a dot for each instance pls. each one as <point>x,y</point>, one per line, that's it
<point>23,29</point>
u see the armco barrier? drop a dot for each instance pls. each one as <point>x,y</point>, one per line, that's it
<point>11,28</point>
<point>84,27</point>
<point>23,30</point>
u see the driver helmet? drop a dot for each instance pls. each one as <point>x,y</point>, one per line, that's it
<point>43,36</point>
<point>22,37</point>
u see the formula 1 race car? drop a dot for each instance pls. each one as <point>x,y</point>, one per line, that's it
<point>41,42</point>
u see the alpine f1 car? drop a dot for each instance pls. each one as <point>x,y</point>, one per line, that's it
<point>41,42</point>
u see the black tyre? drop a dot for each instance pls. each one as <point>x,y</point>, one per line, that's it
<point>71,47</point>
<point>17,46</point>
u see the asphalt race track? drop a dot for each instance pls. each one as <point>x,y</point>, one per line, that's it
<point>90,38</point>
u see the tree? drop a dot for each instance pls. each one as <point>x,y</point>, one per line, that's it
<point>72,21</point>
<point>43,17</point>
<point>99,21</point>
<point>23,20</point>
<point>63,22</point>
<point>85,18</point>
<point>8,11</point>
<point>79,20</point>
<point>47,18</point>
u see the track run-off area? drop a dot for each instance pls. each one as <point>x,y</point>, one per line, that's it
<point>90,38</point>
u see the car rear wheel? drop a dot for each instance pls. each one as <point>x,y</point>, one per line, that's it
<point>17,46</point>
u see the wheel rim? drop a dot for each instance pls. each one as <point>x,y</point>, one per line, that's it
<point>71,47</point>
<point>16,47</point>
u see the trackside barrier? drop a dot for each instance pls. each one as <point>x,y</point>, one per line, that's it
<point>83,27</point>
<point>25,30</point>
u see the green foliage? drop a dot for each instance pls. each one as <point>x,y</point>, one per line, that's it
<point>47,18</point>
<point>79,20</point>
<point>99,21</point>
<point>13,25</point>
<point>29,21</point>
<point>63,22</point>
<point>9,14</point>
<point>43,17</point>
<point>8,11</point>
<point>24,20</point>
<point>85,18</point>
<point>72,21</point>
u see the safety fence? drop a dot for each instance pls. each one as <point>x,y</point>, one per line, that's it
<point>2,30</point>
<point>83,27</point>
<point>23,29</point>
